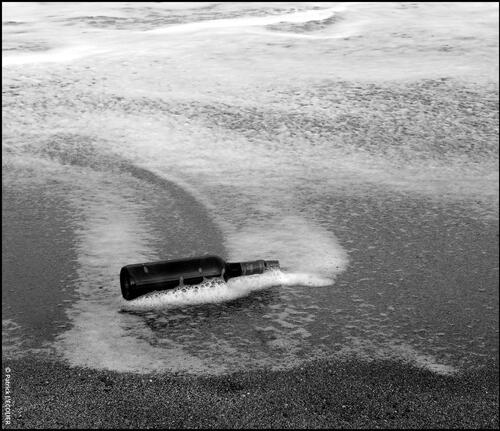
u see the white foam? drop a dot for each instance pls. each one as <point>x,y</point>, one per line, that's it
<point>100,337</point>
<point>290,35</point>
<point>101,41</point>
<point>217,290</point>
<point>301,245</point>
<point>393,349</point>
<point>59,55</point>
<point>217,24</point>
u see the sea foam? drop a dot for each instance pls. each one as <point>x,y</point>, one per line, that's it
<point>216,290</point>
<point>216,24</point>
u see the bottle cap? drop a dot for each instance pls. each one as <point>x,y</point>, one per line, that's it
<point>272,264</point>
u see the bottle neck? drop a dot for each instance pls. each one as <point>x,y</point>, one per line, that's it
<point>236,269</point>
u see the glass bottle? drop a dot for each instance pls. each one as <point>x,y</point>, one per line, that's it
<point>139,279</point>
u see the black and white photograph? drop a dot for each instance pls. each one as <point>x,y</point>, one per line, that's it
<point>250,215</point>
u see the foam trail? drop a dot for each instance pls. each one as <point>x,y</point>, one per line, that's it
<point>217,291</point>
<point>396,350</point>
<point>112,44</point>
<point>301,245</point>
<point>295,18</point>
<point>289,35</point>
<point>60,55</point>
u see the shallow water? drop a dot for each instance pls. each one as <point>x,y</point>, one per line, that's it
<point>356,143</point>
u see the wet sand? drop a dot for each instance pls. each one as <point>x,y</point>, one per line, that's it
<point>325,394</point>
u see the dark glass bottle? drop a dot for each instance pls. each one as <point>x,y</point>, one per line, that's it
<point>141,278</point>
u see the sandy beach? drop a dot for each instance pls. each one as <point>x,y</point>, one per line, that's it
<point>324,394</point>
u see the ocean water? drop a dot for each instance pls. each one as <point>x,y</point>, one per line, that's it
<point>357,143</point>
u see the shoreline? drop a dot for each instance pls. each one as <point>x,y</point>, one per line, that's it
<point>319,394</point>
